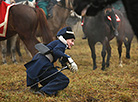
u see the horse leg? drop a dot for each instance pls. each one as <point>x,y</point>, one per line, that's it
<point>103,53</point>
<point>30,42</point>
<point>13,48</point>
<point>128,46</point>
<point>27,52</point>
<point>4,51</point>
<point>18,49</point>
<point>93,55</point>
<point>119,43</point>
<point>108,47</point>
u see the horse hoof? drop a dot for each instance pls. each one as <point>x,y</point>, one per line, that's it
<point>4,62</point>
<point>107,64</point>
<point>15,62</point>
<point>103,68</point>
<point>94,67</point>
<point>127,56</point>
<point>120,65</point>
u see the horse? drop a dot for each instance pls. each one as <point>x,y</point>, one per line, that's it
<point>99,29</point>
<point>24,20</point>
<point>58,18</point>
<point>61,12</point>
<point>129,34</point>
<point>92,7</point>
<point>11,45</point>
<point>56,22</point>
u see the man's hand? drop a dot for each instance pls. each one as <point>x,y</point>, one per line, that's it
<point>73,67</point>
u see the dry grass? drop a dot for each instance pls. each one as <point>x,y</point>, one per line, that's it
<point>116,84</point>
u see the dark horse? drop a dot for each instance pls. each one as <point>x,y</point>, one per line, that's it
<point>92,7</point>
<point>24,20</point>
<point>99,29</point>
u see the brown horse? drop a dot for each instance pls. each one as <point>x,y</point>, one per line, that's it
<point>24,20</point>
<point>61,12</point>
<point>11,45</point>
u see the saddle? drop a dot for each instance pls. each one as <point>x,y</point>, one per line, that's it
<point>4,12</point>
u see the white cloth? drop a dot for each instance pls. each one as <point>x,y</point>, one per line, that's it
<point>62,40</point>
<point>58,0</point>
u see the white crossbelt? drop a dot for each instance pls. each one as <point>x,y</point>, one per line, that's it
<point>50,57</point>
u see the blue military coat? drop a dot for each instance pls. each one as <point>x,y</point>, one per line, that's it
<point>41,62</point>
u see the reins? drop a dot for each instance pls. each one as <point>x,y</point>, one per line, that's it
<point>110,10</point>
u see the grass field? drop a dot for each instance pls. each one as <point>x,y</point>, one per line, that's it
<point>115,84</point>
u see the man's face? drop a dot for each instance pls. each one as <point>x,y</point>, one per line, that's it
<point>70,43</point>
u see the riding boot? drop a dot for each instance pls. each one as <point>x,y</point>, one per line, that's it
<point>40,93</point>
<point>43,5</point>
<point>34,89</point>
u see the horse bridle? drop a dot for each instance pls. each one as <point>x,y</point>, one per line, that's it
<point>110,22</point>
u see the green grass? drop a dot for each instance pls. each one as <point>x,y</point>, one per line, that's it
<point>115,84</point>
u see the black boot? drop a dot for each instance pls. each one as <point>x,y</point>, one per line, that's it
<point>40,93</point>
<point>33,89</point>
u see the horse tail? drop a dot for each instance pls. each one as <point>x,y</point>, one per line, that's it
<point>44,28</point>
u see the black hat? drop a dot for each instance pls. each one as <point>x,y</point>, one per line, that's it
<point>67,33</point>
